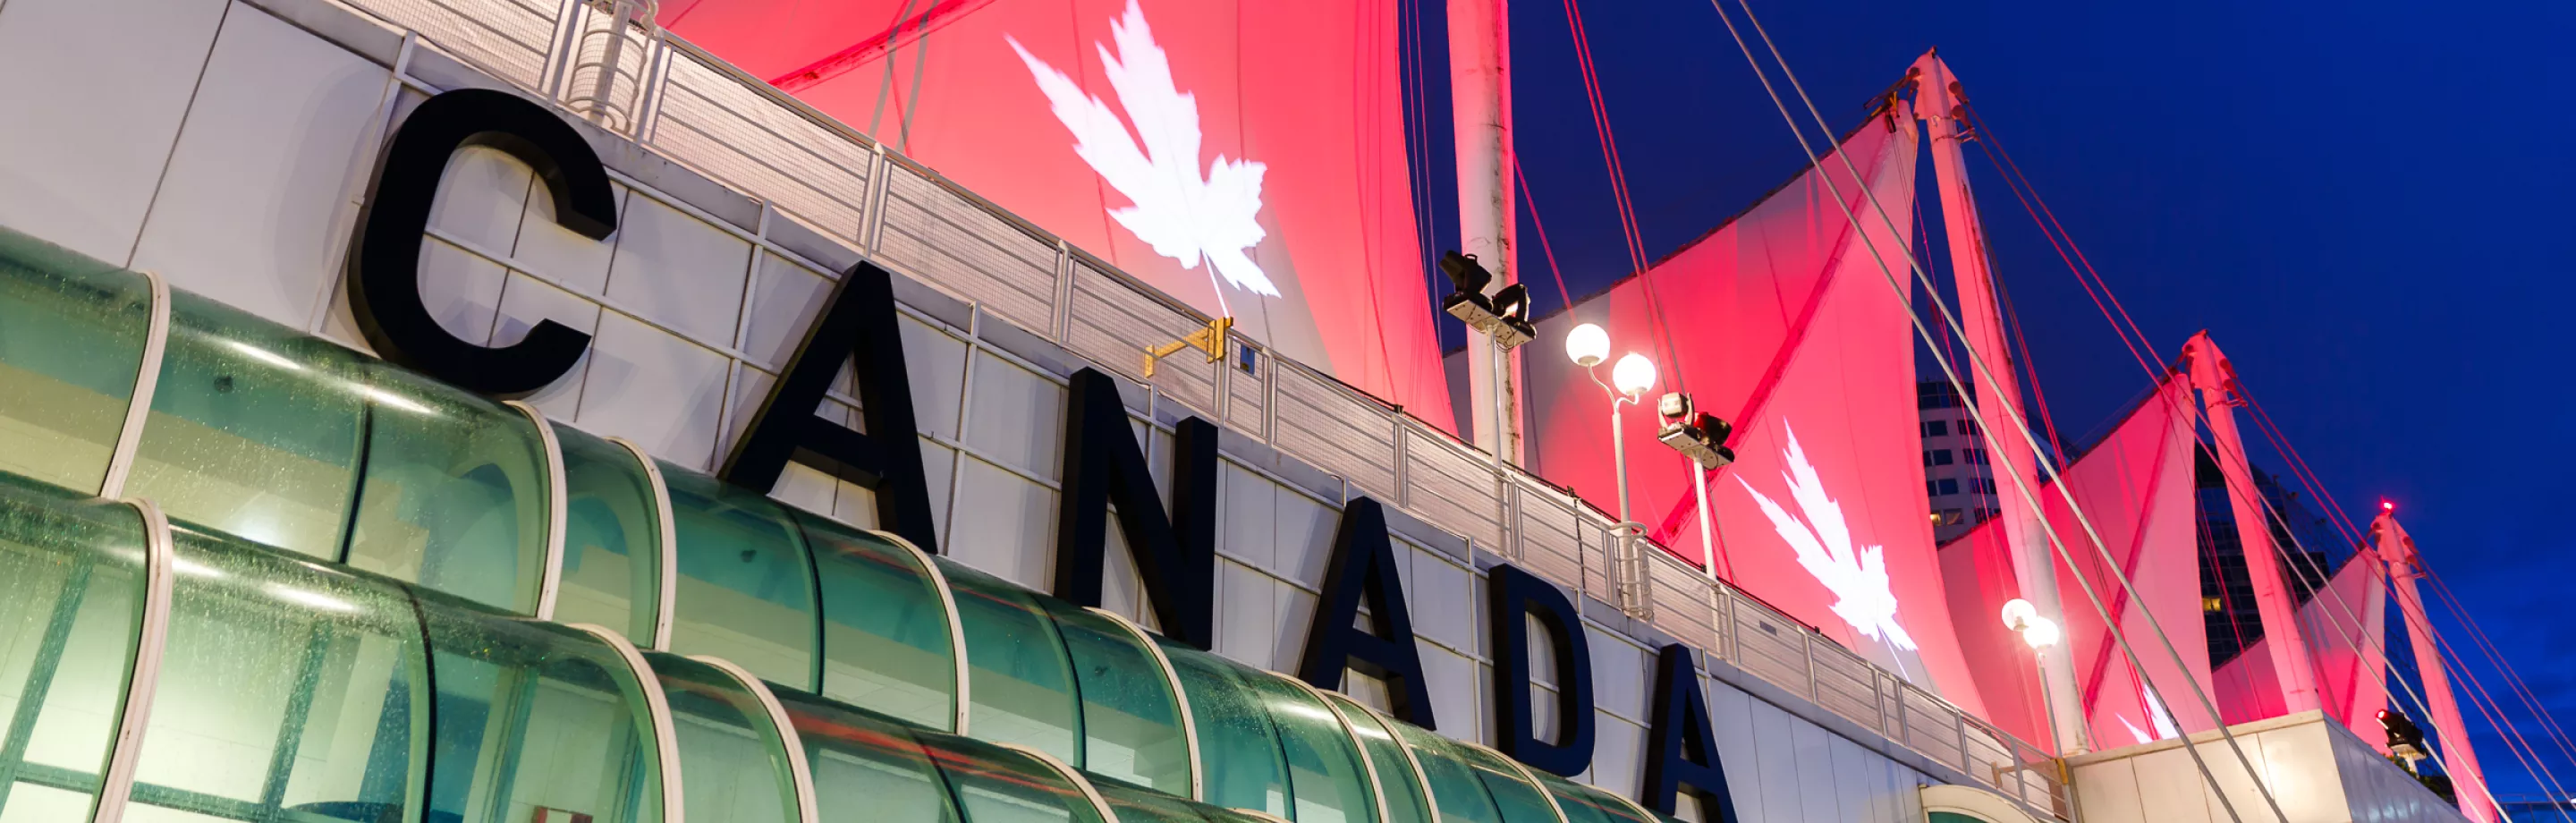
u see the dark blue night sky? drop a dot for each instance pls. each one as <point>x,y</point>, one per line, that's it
<point>2365,204</point>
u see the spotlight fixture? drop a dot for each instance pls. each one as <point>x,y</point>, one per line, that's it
<point>1698,435</point>
<point>2405,740</point>
<point>1504,316</point>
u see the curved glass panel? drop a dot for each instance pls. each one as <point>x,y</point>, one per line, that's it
<point>866,767</point>
<point>1454,786</point>
<point>733,766</point>
<point>612,538</point>
<point>287,691</point>
<point>255,429</point>
<point>1325,779</point>
<point>71,340</point>
<point>1238,745</point>
<point>885,627</point>
<point>997,785</point>
<point>1021,686</point>
<point>1136,805</point>
<point>1519,801</point>
<point>534,716</point>
<point>1131,723</point>
<point>1404,800</point>
<point>1585,804</point>
<point>71,601</point>
<point>454,493</point>
<point>746,590</point>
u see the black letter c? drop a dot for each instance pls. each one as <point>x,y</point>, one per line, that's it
<point>384,258</point>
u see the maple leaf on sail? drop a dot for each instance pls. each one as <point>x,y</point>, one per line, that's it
<point>1181,213</point>
<point>1856,575</point>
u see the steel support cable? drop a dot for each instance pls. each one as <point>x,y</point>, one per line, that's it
<point>1986,136</point>
<point>1540,227</point>
<point>2521,689</point>
<point>2126,325</point>
<point>2531,767</point>
<point>1619,194</point>
<point>2020,485</point>
<point>2493,712</point>
<point>2122,324</point>
<point>2315,486</point>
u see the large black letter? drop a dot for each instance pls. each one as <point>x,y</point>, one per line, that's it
<point>1510,594</point>
<point>1363,565</point>
<point>858,327</point>
<point>1175,555</point>
<point>1681,749</point>
<point>384,257</point>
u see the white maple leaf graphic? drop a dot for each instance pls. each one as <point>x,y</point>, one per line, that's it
<point>1856,575</point>
<point>1184,215</point>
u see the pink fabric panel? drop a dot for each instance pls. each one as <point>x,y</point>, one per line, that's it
<point>2351,661</point>
<point>1735,299</point>
<point>1309,91</point>
<point>2135,489</point>
<point>1822,514</point>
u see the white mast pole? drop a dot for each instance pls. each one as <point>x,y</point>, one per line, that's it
<point>1481,119</point>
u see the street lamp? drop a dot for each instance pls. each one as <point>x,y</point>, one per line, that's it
<point>1587,345</point>
<point>2041,633</point>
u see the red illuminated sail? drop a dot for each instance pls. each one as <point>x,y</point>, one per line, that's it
<point>2346,627</point>
<point>1782,320</point>
<point>1247,158</point>
<point>2135,489</point>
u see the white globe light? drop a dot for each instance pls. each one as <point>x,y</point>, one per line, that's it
<point>2019,613</point>
<point>1634,374</point>
<point>1588,345</point>
<point>2041,633</point>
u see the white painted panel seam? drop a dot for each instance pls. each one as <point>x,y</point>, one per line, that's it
<point>1098,803</point>
<point>160,564</point>
<point>800,772</point>
<point>956,625</point>
<point>147,379</point>
<point>550,580</point>
<point>666,579</point>
<point>665,733</point>
<point>1180,698</point>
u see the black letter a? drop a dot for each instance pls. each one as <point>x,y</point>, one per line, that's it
<point>1363,565</point>
<point>858,327</point>
<point>1681,749</point>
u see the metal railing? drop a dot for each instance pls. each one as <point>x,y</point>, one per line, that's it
<point>692,108</point>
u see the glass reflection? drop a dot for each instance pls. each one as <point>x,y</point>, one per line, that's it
<point>885,627</point>
<point>1131,722</point>
<point>255,430</point>
<point>533,716</point>
<point>746,589</point>
<point>612,538</point>
<point>71,594</point>
<point>866,767</point>
<point>454,493</point>
<point>72,331</point>
<point>1022,686</point>
<point>1238,745</point>
<point>287,691</point>
<point>733,766</point>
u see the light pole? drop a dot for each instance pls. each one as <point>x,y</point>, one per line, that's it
<point>2041,633</point>
<point>1588,345</point>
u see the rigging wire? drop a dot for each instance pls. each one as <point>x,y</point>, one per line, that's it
<point>1540,227</point>
<point>2126,325</point>
<point>2521,690</point>
<point>1619,195</point>
<point>2533,766</point>
<point>2336,607</point>
<point>2020,485</point>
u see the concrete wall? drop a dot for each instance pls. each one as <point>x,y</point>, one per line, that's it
<point>2316,770</point>
<point>225,144</point>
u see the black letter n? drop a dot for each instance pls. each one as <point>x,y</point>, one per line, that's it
<point>857,327</point>
<point>1176,555</point>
